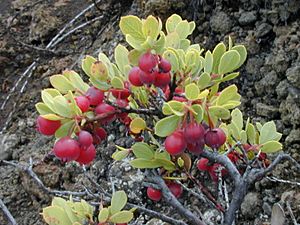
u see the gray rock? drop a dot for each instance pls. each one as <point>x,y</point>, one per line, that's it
<point>220,22</point>
<point>263,29</point>
<point>247,18</point>
<point>7,143</point>
<point>293,76</point>
<point>251,205</point>
<point>155,221</point>
<point>293,137</point>
<point>266,110</point>
<point>282,88</point>
<point>267,208</point>
<point>212,216</point>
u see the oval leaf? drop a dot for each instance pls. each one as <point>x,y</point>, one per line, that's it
<point>167,126</point>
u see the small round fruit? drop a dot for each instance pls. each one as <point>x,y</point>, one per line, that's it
<point>164,65</point>
<point>175,143</point>
<point>95,96</point>
<point>154,194</point>
<point>147,77</point>
<point>202,164</point>
<point>87,155</point>
<point>85,138</point>
<point>47,127</point>
<point>103,109</point>
<point>194,132</point>
<point>134,77</point>
<point>66,149</point>
<point>162,79</point>
<point>176,189</point>
<point>147,62</point>
<point>120,93</point>
<point>196,147</point>
<point>215,138</point>
<point>83,103</point>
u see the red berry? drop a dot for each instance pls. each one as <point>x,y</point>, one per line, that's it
<point>154,194</point>
<point>202,164</point>
<point>95,96</point>
<point>83,103</point>
<point>213,171</point>
<point>147,62</point>
<point>162,79</point>
<point>196,148</point>
<point>134,77</point>
<point>122,103</point>
<point>233,156</point>
<point>103,109</point>
<point>164,65</point>
<point>215,138</point>
<point>85,138</point>
<point>120,93</point>
<point>99,135</point>
<point>175,143</point>
<point>87,155</point>
<point>147,77</point>
<point>66,149</point>
<point>194,132</point>
<point>262,156</point>
<point>176,189</point>
<point>47,127</point>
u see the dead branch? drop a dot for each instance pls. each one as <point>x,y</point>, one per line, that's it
<point>7,213</point>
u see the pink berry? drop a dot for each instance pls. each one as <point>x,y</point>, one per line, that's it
<point>202,164</point>
<point>147,77</point>
<point>120,93</point>
<point>194,132</point>
<point>85,138</point>
<point>47,127</point>
<point>103,109</point>
<point>83,103</point>
<point>134,77</point>
<point>95,96</point>
<point>164,65</point>
<point>196,147</point>
<point>154,194</point>
<point>147,62</point>
<point>176,189</point>
<point>162,79</point>
<point>66,149</point>
<point>175,143</point>
<point>87,155</point>
<point>215,138</point>
<point>99,135</point>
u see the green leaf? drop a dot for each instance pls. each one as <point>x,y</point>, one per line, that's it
<point>271,147</point>
<point>132,25</point>
<point>219,112</point>
<point>200,112</point>
<point>172,22</point>
<point>228,77</point>
<point>134,56</point>
<point>251,134</point>
<point>172,40</point>
<point>87,64</point>
<point>166,109</point>
<point>48,100</point>
<point>151,27</point>
<point>65,129</point>
<point>192,26</point>
<point>120,155</point>
<point>204,80</point>
<point>99,71</point>
<point>183,29</point>
<point>166,164</point>
<point>234,131</point>
<point>118,201</point>
<point>218,51</point>
<point>137,44</point>
<point>76,80</point>
<point>184,44</point>
<point>176,107</point>
<point>145,163</point>
<point>99,84</point>
<point>268,133</point>
<point>192,92</point>
<point>122,217</point>
<point>60,202</point>
<point>121,57</point>
<point>167,125</point>
<point>242,52</point>
<point>61,83</point>
<point>237,118</point>
<point>172,58</point>
<point>142,150</point>
<point>137,125</point>
<point>52,117</point>
<point>103,215</point>
<point>62,107</point>
<point>208,62</point>
<point>54,215</point>
<point>229,62</point>
<point>162,155</point>
<point>117,82</point>
<point>160,44</point>
<point>228,94</point>
<point>43,109</point>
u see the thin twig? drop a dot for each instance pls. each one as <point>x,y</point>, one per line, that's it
<point>275,179</point>
<point>7,213</point>
<point>288,206</point>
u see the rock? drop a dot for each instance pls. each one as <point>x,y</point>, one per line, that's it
<point>212,216</point>
<point>267,208</point>
<point>266,110</point>
<point>267,84</point>
<point>251,205</point>
<point>281,89</point>
<point>293,76</point>
<point>263,29</point>
<point>220,22</point>
<point>247,18</point>
<point>7,143</point>
<point>155,221</point>
<point>293,137</point>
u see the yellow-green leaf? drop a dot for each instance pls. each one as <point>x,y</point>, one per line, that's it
<point>142,150</point>
<point>61,83</point>
<point>208,62</point>
<point>99,71</point>
<point>132,25</point>
<point>121,57</point>
<point>167,125</point>
<point>151,27</point>
<point>229,62</point>
<point>192,92</point>
<point>137,125</point>
<point>43,109</point>
<point>204,80</point>
<point>103,215</point>
<point>122,217</point>
<point>87,64</point>
<point>271,147</point>
<point>172,22</point>
<point>118,201</point>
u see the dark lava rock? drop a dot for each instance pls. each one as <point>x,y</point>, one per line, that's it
<point>220,22</point>
<point>266,110</point>
<point>293,76</point>
<point>263,29</point>
<point>247,18</point>
<point>251,205</point>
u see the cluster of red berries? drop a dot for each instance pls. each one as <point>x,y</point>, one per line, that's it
<point>152,69</point>
<point>193,137</point>
<point>156,195</point>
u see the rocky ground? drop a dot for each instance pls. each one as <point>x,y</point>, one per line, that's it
<point>269,84</point>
